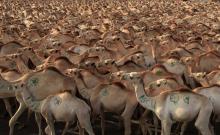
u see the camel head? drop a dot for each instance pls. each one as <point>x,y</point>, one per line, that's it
<point>15,56</point>
<point>200,77</point>
<point>161,83</point>
<point>25,50</point>
<point>54,52</point>
<point>87,65</point>
<point>139,59</point>
<point>56,45</point>
<point>18,87</point>
<point>133,77</point>
<point>116,76</point>
<point>96,50</point>
<point>107,64</point>
<point>74,72</point>
<point>187,60</point>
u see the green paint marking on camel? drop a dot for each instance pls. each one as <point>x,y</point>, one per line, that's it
<point>186,99</point>
<point>142,99</point>
<point>34,82</point>
<point>159,72</point>
<point>105,92</point>
<point>57,101</point>
<point>174,99</point>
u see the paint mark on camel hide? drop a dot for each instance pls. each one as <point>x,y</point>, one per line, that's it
<point>104,92</point>
<point>186,99</point>
<point>174,99</point>
<point>33,82</point>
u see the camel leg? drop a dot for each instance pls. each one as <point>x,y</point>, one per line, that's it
<point>166,127</point>
<point>183,128</point>
<point>103,122</point>
<point>29,115</point>
<point>14,118</point>
<point>126,115</point>
<point>8,106</point>
<point>202,121</point>
<point>85,123</point>
<point>142,122</point>
<point>156,123</point>
<point>50,123</point>
<point>47,130</point>
<point>65,128</point>
<point>38,120</point>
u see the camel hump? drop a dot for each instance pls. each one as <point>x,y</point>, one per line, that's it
<point>63,58</point>
<point>52,68</point>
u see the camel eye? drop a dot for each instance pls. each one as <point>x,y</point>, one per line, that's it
<point>158,85</point>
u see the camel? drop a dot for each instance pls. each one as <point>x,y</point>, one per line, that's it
<point>100,95</point>
<point>9,75</point>
<point>29,53</point>
<point>203,63</point>
<point>168,106</point>
<point>154,88</point>
<point>111,65</point>
<point>179,52</point>
<point>10,48</point>
<point>139,59</point>
<point>35,84</point>
<point>101,52</point>
<point>175,66</point>
<point>7,63</point>
<point>212,92</point>
<point>54,108</point>
<point>22,67</point>
<point>207,79</point>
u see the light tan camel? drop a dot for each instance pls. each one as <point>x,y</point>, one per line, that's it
<point>101,97</point>
<point>36,83</point>
<point>211,92</point>
<point>168,106</point>
<point>63,107</point>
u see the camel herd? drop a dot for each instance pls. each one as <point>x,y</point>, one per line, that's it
<point>77,61</point>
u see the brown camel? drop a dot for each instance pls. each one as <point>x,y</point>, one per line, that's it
<point>100,95</point>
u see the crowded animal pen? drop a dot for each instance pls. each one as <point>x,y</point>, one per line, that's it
<point>109,67</point>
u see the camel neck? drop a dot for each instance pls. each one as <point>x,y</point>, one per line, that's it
<point>36,60</point>
<point>83,90</point>
<point>143,99</point>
